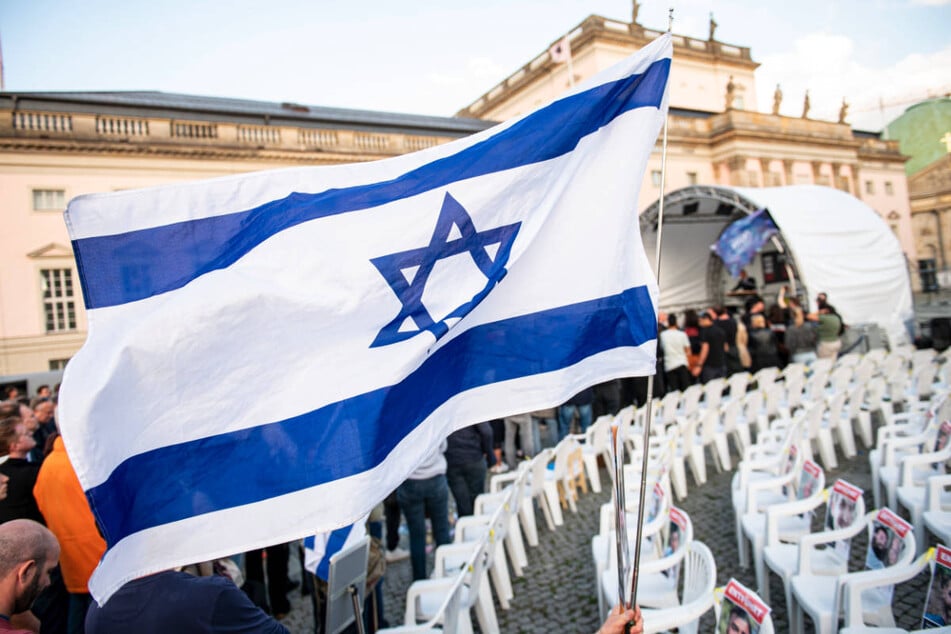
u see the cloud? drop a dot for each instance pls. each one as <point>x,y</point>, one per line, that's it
<point>932,3</point>
<point>829,68</point>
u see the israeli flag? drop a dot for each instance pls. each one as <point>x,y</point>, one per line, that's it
<point>269,355</point>
<point>318,549</point>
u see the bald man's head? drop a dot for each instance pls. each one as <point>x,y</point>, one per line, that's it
<point>28,552</point>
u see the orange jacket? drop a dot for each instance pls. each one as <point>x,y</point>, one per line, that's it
<point>66,510</point>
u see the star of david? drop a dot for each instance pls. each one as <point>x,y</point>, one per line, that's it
<point>407,272</point>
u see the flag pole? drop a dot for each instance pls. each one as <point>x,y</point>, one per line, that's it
<point>650,379</point>
<point>620,506</point>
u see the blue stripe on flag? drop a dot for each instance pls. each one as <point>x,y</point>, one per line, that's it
<point>335,542</point>
<point>131,266</point>
<point>342,439</point>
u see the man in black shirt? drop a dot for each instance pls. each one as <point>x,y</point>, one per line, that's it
<point>713,348</point>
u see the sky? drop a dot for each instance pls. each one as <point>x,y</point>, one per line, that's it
<point>437,56</point>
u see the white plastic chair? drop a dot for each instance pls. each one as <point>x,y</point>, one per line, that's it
<point>837,418</point>
<point>738,382</point>
<point>597,439</point>
<point>530,492</point>
<point>487,504</point>
<point>821,596</point>
<point>905,435</point>
<point>493,528</point>
<point>558,480</point>
<point>936,516</point>
<point>700,577</point>
<point>655,589</point>
<point>447,618</point>
<point>604,547</point>
<point>425,597</point>
<point>859,583</point>
<point>773,470</point>
<point>913,471</point>
<point>765,378</point>
<point>789,521</point>
<point>784,558</point>
<point>690,403</point>
<point>713,393</point>
<point>690,447</point>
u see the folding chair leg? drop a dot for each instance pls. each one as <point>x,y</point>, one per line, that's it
<point>499,573</point>
<point>526,513</point>
<point>485,610</point>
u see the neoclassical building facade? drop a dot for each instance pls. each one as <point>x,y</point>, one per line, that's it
<point>55,146</point>
<point>716,131</point>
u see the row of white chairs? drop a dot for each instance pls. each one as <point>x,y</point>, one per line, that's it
<point>491,542</point>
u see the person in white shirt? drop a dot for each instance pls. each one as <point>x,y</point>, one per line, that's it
<point>676,346</point>
<point>425,492</point>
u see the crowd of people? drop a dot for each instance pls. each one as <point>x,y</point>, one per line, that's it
<point>715,342</point>
<point>50,544</point>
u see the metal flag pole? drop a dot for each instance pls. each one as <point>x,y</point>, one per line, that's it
<point>620,506</point>
<point>650,379</point>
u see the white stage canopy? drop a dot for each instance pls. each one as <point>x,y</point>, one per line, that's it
<point>829,241</point>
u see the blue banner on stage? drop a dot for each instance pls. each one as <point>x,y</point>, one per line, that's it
<point>741,241</point>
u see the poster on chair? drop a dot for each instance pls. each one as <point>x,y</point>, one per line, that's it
<point>840,513</point>
<point>886,545</point>
<point>676,533</point>
<point>938,604</point>
<point>742,611</point>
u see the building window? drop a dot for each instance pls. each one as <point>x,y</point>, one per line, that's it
<point>869,187</point>
<point>58,364</point>
<point>59,304</point>
<point>691,178</point>
<point>889,189</point>
<point>49,199</point>
<point>655,178</point>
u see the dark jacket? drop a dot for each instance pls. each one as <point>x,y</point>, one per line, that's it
<point>470,444</point>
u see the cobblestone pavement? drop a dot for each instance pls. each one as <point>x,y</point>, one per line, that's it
<point>557,593</point>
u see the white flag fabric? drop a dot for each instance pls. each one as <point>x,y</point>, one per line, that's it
<point>269,355</point>
<point>318,549</point>
<point>560,51</point>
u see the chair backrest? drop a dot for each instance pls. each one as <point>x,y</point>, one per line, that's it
<point>766,377</point>
<point>921,358</point>
<point>876,356</point>
<point>691,399</point>
<point>448,559</point>
<point>841,377</point>
<point>738,382</point>
<point>837,409</point>
<point>700,572</point>
<point>864,371</point>
<point>752,404</point>
<point>730,413</point>
<point>713,392</point>
<point>539,467</point>
<point>669,406</point>
<point>850,360</point>
<point>856,400</point>
<point>875,394</point>
<point>709,420</point>
<point>924,380</point>
<point>795,384</point>
<point>773,396</point>
<point>814,418</point>
<point>793,370</point>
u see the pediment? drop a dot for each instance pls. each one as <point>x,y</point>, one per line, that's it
<point>51,250</point>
